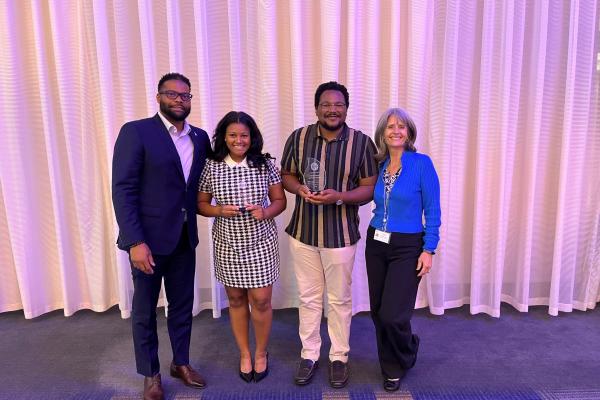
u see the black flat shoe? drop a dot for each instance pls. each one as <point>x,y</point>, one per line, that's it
<point>247,376</point>
<point>391,385</point>
<point>259,376</point>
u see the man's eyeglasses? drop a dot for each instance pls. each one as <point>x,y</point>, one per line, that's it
<point>330,106</point>
<point>173,95</point>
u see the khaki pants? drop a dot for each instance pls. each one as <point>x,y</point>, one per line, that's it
<point>317,270</point>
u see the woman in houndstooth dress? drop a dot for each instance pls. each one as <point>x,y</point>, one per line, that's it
<point>248,195</point>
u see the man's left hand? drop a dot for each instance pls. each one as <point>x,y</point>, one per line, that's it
<point>327,196</point>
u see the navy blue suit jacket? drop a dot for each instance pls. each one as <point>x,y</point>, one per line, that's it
<point>149,191</point>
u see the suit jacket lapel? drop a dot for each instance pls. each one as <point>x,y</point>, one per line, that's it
<point>197,150</point>
<point>165,138</point>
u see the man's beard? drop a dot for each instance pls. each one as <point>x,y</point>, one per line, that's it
<point>167,112</point>
<point>332,127</point>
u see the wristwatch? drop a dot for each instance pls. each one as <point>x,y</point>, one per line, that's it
<point>339,202</point>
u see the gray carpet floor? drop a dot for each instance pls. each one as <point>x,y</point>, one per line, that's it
<point>518,356</point>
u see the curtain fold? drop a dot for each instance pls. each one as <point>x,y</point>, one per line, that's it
<point>505,95</point>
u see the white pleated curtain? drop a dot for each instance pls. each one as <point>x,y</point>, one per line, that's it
<point>504,94</point>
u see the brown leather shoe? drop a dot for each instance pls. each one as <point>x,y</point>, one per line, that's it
<point>338,374</point>
<point>188,376</point>
<point>305,372</point>
<point>153,388</point>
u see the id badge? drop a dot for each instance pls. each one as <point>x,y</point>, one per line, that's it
<point>382,236</point>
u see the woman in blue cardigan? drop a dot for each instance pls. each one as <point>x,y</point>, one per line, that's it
<point>399,248</point>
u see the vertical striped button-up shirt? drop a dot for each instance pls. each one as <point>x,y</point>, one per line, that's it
<point>346,159</point>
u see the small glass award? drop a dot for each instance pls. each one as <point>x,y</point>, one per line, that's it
<point>314,175</point>
<point>243,195</point>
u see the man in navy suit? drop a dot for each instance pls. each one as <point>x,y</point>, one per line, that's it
<point>156,168</point>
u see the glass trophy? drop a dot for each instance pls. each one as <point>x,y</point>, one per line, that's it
<point>314,175</point>
<point>243,195</point>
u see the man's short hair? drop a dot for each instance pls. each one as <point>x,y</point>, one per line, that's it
<point>174,76</point>
<point>331,85</point>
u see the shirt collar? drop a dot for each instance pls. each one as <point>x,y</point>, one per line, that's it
<point>229,161</point>
<point>343,135</point>
<point>172,129</point>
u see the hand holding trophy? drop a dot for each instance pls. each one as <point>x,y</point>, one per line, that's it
<point>314,175</point>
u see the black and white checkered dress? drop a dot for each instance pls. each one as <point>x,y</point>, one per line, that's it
<point>245,249</point>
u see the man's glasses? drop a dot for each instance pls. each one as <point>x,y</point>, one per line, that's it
<point>173,95</point>
<point>332,106</point>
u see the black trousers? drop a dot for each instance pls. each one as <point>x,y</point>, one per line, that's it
<point>393,284</point>
<point>177,269</point>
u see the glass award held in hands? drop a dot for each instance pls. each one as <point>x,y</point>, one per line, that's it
<point>243,195</point>
<point>314,175</point>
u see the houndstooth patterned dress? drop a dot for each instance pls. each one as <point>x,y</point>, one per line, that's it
<point>246,249</point>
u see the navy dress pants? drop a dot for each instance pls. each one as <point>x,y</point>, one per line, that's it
<point>177,269</point>
<point>393,284</point>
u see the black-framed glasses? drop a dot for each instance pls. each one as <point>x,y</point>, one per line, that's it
<point>173,95</point>
<point>334,106</point>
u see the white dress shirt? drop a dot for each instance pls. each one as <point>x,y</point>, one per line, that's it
<point>183,143</point>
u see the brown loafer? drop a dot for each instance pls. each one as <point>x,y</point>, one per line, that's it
<point>188,376</point>
<point>153,388</point>
<point>305,372</point>
<point>338,374</point>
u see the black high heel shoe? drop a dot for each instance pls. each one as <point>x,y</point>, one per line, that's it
<point>247,376</point>
<point>259,376</point>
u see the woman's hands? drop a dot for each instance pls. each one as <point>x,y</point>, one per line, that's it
<point>257,211</point>
<point>229,211</point>
<point>424,263</point>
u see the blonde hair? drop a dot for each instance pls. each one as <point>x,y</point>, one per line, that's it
<point>402,115</point>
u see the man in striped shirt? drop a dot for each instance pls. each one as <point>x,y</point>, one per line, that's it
<point>331,169</point>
